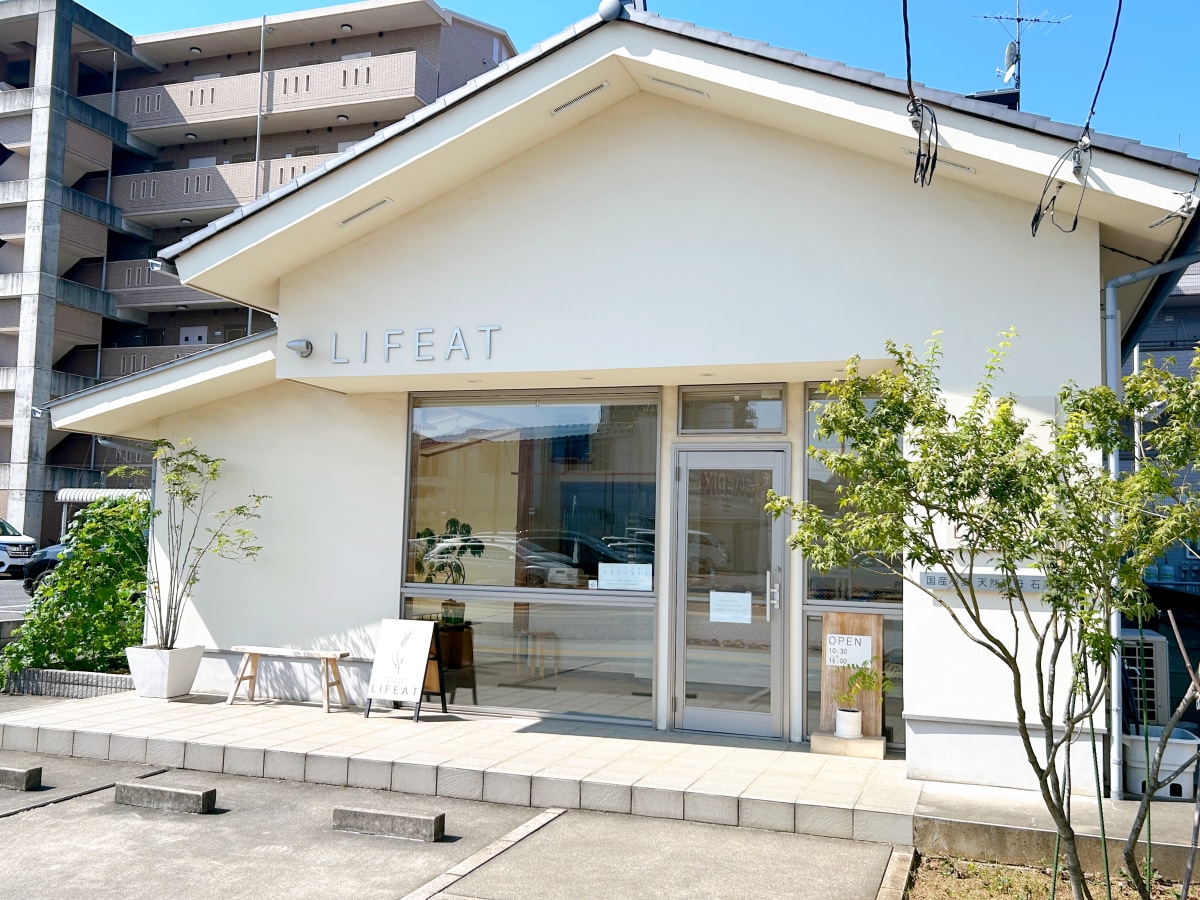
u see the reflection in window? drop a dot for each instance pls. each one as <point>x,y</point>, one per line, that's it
<point>732,409</point>
<point>870,580</point>
<point>531,492</point>
<point>563,658</point>
<point>893,667</point>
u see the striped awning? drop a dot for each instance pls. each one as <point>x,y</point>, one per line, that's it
<point>91,495</point>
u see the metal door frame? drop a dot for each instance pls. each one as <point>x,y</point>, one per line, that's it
<point>775,456</point>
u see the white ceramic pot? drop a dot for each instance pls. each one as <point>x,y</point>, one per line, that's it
<point>847,723</point>
<point>164,674</point>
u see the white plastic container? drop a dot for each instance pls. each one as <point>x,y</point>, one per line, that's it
<point>1180,748</point>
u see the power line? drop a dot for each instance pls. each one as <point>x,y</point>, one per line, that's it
<point>1080,155</point>
<point>922,117</point>
<point>1107,59</point>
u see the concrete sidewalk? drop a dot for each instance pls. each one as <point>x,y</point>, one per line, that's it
<point>556,763</point>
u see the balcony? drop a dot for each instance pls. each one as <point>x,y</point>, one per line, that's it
<point>61,383</point>
<point>56,478</point>
<point>87,297</point>
<point>137,287</point>
<point>116,362</point>
<point>378,87</point>
<point>158,198</point>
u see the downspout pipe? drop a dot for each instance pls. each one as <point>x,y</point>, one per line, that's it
<point>1112,378</point>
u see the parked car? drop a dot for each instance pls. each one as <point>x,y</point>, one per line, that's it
<point>499,559</point>
<point>40,565</point>
<point>575,548</point>
<point>15,549</point>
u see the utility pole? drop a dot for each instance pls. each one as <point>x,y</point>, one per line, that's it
<point>259,178</point>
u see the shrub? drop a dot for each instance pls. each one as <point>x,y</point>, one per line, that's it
<point>91,606</point>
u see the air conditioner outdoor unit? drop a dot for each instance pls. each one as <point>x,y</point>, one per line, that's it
<point>1147,671</point>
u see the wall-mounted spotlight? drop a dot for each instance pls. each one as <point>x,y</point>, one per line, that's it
<point>343,118</point>
<point>303,347</point>
<point>347,27</point>
<point>189,136</point>
<point>195,50</point>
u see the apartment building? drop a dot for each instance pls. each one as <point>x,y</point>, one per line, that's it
<point>113,147</point>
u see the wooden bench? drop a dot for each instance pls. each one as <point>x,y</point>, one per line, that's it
<point>248,670</point>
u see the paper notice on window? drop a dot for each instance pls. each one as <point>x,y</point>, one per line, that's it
<point>729,606</point>
<point>847,649</point>
<point>626,577</point>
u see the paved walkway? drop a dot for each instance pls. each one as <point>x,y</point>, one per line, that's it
<point>525,762</point>
<point>556,763</point>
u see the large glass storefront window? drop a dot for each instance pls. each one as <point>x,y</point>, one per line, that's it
<point>534,492</point>
<point>870,586</point>
<point>563,658</point>
<point>870,580</point>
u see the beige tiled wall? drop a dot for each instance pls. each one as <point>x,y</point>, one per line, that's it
<point>89,145</point>
<point>274,146</point>
<point>466,51</point>
<point>423,40</point>
<point>77,323</point>
<point>85,234</point>
<point>15,130</point>
<point>12,220</point>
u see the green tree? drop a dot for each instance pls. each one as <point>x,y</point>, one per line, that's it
<point>90,607</point>
<point>438,557</point>
<point>922,486</point>
<point>185,485</point>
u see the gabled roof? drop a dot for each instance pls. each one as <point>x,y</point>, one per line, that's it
<point>597,63</point>
<point>131,406</point>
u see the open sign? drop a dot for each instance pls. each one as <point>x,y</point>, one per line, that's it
<point>847,649</point>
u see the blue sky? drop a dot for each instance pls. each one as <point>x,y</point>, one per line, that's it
<point>1149,94</point>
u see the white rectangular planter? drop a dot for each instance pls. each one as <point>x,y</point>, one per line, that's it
<point>164,674</point>
<point>1180,746</point>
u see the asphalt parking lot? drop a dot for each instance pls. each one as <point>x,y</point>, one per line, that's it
<point>13,598</point>
<point>275,839</point>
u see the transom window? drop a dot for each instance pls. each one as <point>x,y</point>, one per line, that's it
<point>731,409</point>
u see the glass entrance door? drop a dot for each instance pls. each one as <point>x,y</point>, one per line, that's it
<point>729,562</point>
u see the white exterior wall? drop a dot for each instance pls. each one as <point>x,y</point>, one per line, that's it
<point>657,235</point>
<point>332,532</point>
<point>650,244</point>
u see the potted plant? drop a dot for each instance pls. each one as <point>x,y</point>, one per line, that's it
<point>184,487</point>
<point>438,557</point>
<point>864,679</point>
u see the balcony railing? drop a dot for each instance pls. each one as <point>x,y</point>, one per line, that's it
<point>72,293</point>
<point>56,478</point>
<point>137,286</point>
<point>396,77</point>
<point>207,187</point>
<point>116,362</point>
<point>61,383</point>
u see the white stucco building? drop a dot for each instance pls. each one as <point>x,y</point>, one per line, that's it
<point>653,243</point>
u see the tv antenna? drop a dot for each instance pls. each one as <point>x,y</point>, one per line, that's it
<point>1016,26</point>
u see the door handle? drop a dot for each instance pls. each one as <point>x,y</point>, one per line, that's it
<point>772,596</point>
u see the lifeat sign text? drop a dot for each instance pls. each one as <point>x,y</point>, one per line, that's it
<point>422,344</point>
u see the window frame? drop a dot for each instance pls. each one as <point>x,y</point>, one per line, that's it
<point>683,431</point>
<point>512,592</point>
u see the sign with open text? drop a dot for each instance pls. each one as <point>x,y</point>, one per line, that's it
<point>847,649</point>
